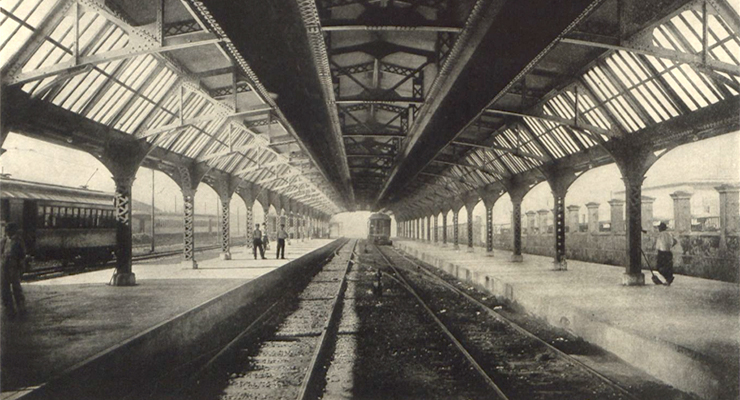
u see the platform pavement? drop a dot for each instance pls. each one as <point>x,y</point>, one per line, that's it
<point>687,335</point>
<point>73,318</point>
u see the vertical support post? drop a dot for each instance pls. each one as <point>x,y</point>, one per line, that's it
<point>188,198</point>
<point>646,212</point>
<point>429,229</point>
<point>153,217</point>
<point>444,228</point>
<point>531,225</point>
<point>516,227</point>
<point>617,216</point>
<point>542,221</point>
<point>489,230</point>
<point>225,228</point>
<point>469,209</point>
<point>573,224</point>
<point>729,217</point>
<point>681,211</point>
<point>436,227</point>
<point>560,263</point>
<point>250,228</point>
<point>123,275</point>
<point>455,229</point>
<point>593,217</point>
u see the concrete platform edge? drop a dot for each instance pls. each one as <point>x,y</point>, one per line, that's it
<point>675,365</point>
<point>156,344</point>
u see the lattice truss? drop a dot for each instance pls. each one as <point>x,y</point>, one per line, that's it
<point>688,61</point>
<point>225,237</point>
<point>87,58</point>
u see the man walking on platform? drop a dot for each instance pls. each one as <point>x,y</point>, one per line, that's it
<point>257,242</point>
<point>281,236</point>
<point>663,245</point>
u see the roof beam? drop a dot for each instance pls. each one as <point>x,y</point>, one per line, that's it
<point>230,151</point>
<point>169,44</point>
<point>562,121</point>
<point>475,167</point>
<point>695,60</point>
<point>257,167</point>
<point>427,28</point>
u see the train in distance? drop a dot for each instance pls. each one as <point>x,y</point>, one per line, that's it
<point>379,229</point>
<point>78,225</point>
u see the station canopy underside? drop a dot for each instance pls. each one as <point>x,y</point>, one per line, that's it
<point>363,104</point>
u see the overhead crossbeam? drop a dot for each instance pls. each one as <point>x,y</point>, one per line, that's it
<point>169,44</point>
<point>401,28</point>
<point>579,124</point>
<point>695,60</point>
<point>463,165</point>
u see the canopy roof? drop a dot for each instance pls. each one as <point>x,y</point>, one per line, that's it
<point>373,104</point>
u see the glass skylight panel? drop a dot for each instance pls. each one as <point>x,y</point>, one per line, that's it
<point>14,35</point>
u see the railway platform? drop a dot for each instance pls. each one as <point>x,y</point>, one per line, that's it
<point>686,336</point>
<point>75,319</point>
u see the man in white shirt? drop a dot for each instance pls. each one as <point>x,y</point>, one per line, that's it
<point>282,234</point>
<point>663,245</point>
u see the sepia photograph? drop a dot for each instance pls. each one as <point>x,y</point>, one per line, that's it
<point>370,199</point>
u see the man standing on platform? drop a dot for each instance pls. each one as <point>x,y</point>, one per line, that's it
<point>663,245</point>
<point>12,263</point>
<point>257,242</point>
<point>281,236</point>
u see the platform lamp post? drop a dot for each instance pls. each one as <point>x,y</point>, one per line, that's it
<point>152,228</point>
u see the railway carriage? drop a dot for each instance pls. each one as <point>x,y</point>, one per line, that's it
<point>78,225</point>
<point>59,222</point>
<point>379,229</point>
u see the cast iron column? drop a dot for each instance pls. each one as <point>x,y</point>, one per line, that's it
<point>122,201</point>
<point>470,229</point>
<point>489,231</point>
<point>436,227</point>
<point>224,228</point>
<point>444,228</point>
<point>455,230</point>
<point>188,236</point>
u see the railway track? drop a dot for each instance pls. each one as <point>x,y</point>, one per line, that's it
<point>548,374</point>
<point>281,354</point>
<point>55,271</point>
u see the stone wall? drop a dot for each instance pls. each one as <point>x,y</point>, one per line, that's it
<point>704,255</point>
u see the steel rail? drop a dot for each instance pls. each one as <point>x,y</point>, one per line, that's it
<point>38,274</point>
<point>573,361</point>
<point>257,323</point>
<point>489,381</point>
<point>329,325</point>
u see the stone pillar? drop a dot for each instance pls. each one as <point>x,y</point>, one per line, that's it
<point>530,222</point>
<point>593,217</point>
<point>123,275</point>
<point>681,211</point>
<point>224,228</point>
<point>444,228</point>
<point>542,220</point>
<point>646,212</point>
<point>617,216</point>
<point>573,225</point>
<point>455,229</point>
<point>729,218</point>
